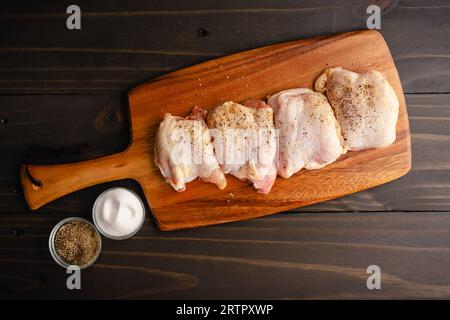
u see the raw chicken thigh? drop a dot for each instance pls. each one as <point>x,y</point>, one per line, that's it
<point>365,106</point>
<point>244,140</point>
<point>309,135</point>
<point>183,151</point>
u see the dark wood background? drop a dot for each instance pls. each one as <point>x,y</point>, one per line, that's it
<point>63,98</point>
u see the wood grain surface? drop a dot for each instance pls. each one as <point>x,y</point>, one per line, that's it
<point>287,256</point>
<point>239,77</point>
<point>63,99</point>
<point>107,55</point>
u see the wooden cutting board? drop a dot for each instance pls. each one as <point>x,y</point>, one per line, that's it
<point>246,75</point>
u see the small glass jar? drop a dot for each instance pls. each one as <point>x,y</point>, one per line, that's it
<point>54,253</point>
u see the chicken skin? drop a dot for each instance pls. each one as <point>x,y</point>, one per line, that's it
<point>365,106</point>
<point>183,151</point>
<point>244,140</point>
<point>308,133</point>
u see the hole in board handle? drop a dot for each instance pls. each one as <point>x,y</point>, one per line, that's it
<point>36,184</point>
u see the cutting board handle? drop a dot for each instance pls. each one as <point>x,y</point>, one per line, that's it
<point>45,183</point>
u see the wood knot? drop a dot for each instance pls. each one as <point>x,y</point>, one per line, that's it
<point>202,32</point>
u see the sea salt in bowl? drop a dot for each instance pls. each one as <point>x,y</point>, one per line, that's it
<point>118,213</point>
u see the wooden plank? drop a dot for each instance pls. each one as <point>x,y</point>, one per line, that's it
<point>426,187</point>
<point>123,44</point>
<point>288,256</point>
<point>418,35</point>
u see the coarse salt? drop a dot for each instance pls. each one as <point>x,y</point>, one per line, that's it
<point>118,213</point>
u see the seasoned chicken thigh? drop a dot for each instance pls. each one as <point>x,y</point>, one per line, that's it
<point>245,141</point>
<point>365,106</point>
<point>309,135</point>
<point>183,151</point>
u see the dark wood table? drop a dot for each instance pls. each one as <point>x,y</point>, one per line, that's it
<point>63,98</point>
